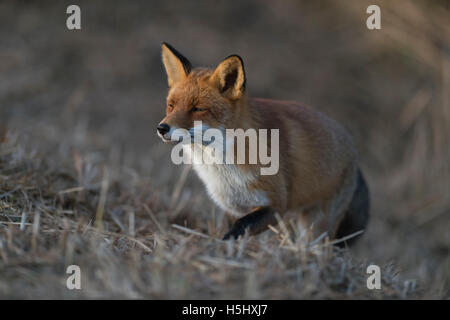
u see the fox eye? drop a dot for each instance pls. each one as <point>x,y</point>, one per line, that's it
<point>195,109</point>
<point>170,105</point>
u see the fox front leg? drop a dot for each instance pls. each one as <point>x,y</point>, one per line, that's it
<point>256,222</point>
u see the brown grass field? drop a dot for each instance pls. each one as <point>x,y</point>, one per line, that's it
<point>85,180</point>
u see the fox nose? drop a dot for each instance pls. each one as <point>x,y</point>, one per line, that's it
<point>163,128</point>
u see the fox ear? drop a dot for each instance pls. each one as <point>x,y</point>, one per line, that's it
<point>229,76</point>
<point>177,66</point>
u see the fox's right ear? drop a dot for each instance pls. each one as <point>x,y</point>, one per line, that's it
<point>177,66</point>
<point>229,76</point>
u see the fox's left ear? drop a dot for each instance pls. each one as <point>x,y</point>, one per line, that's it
<point>177,66</point>
<point>229,76</point>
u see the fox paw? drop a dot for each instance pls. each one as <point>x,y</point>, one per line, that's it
<point>235,232</point>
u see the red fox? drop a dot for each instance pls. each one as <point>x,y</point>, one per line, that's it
<point>318,174</point>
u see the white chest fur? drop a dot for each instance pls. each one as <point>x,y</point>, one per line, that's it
<point>227,184</point>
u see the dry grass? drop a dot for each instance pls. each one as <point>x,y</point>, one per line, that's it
<point>84,180</point>
<point>136,252</point>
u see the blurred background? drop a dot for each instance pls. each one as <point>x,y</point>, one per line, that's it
<point>97,94</point>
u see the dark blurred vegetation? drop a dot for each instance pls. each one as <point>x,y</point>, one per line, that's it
<point>100,92</point>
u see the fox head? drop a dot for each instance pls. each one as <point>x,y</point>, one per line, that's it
<point>213,97</point>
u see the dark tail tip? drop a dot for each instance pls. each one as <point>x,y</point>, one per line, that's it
<point>357,215</point>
